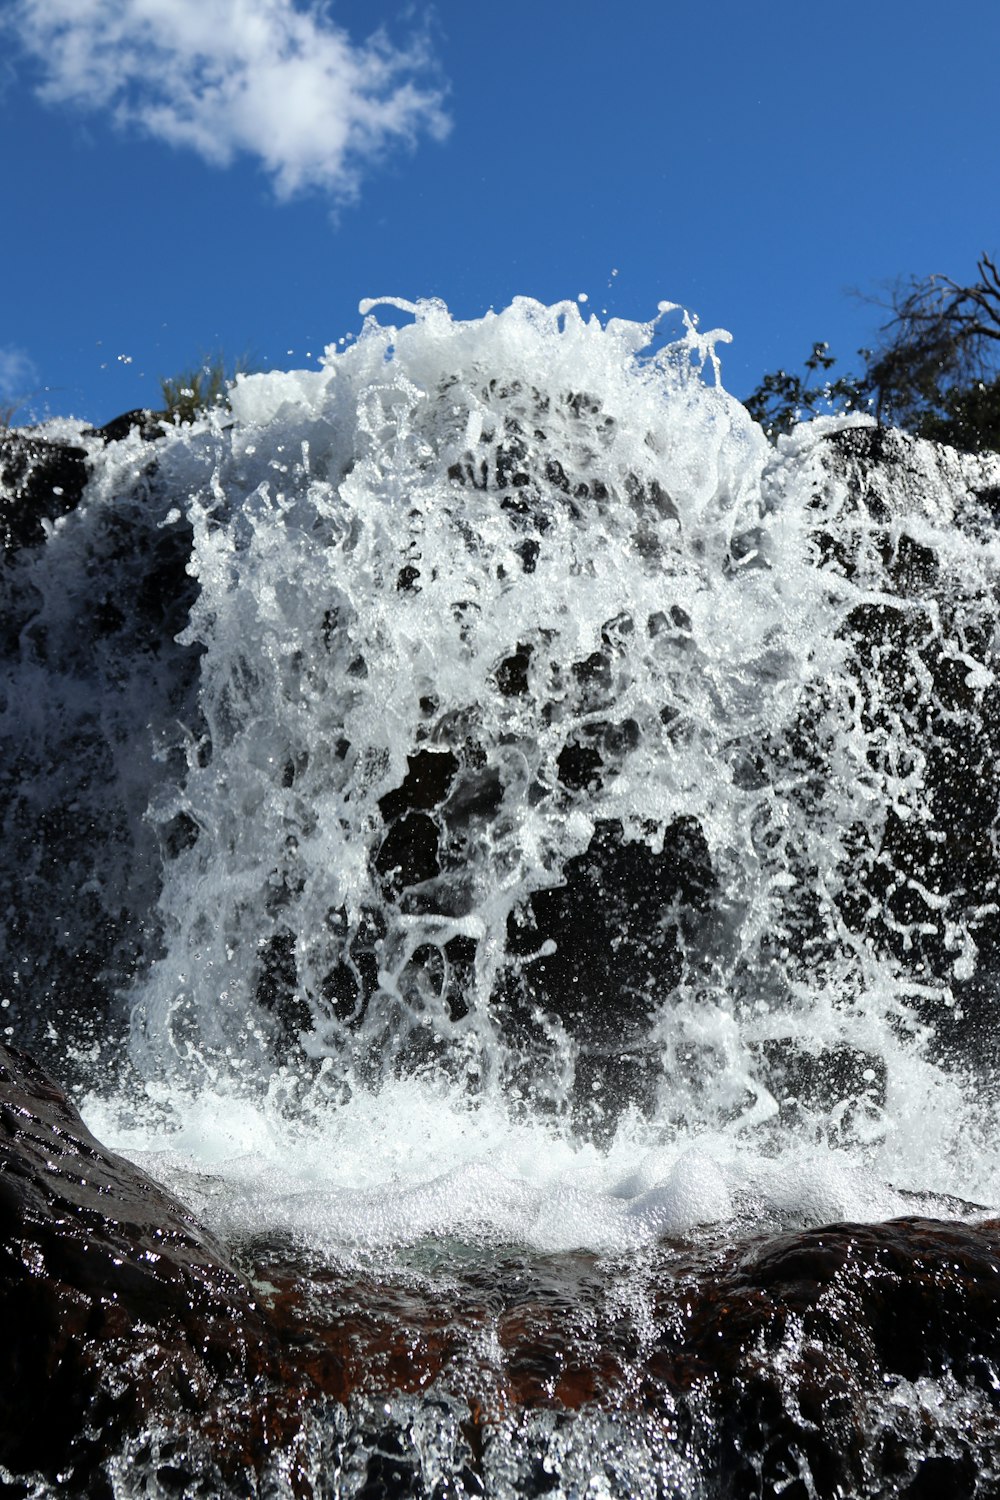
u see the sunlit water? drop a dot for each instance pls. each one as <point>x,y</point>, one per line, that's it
<point>483,617</point>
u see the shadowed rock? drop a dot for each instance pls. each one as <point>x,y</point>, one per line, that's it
<point>39,481</point>
<point>117,1308</point>
<point>848,1360</point>
<point>852,1359</point>
<point>149,425</point>
<point>42,479</point>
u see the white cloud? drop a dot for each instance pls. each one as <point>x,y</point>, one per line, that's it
<point>18,375</point>
<point>272,78</point>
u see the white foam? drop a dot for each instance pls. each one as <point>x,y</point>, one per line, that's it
<point>673,545</point>
<point>413,1162</point>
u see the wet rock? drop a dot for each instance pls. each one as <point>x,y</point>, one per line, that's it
<point>148,424</point>
<point>844,1360</point>
<point>95,689</point>
<point>850,1359</point>
<point>832,1085</point>
<point>923,893</point>
<point>118,1310</point>
<point>42,479</point>
<point>39,481</point>
<point>601,950</point>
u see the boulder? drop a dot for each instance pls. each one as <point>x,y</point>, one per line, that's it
<point>849,1359</point>
<point>852,1359</point>
<point>119,1312</point>
<point>148,424</point>
<point>42,478</point>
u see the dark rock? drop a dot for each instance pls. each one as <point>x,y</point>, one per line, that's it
<point>833,1083</point>
<point>42,479</point>
<point>39,481</point>
<point>848,1360</point>
<point>917,883</point>
<point>427,781</point>
<point>807,1337</point>
<point>851,1359</point>
<point>117,1308</point>
<point>600,950</point>
<point>93,614</point>
<point>512,673</point>
<point>150,425</point>
<point>408,854</point>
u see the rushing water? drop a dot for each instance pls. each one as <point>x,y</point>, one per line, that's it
<point>502,801</point>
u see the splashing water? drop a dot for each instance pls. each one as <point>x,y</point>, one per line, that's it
<point>562,819</point>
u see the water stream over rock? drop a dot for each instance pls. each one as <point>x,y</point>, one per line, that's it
<point>517,856</point>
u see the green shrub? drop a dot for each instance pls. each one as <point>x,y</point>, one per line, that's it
<point>187,395</point>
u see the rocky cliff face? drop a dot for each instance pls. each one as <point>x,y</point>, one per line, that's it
<point>94,591</point>
<point>889,765</point>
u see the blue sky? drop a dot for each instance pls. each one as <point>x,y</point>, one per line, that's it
<point>182,176</point>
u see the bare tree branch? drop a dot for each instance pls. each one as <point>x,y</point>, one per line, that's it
<point>936,371</point>
<point>941,336</point>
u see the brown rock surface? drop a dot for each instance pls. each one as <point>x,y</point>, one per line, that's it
<point>116,1307</point>
<point>851,1359</point>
